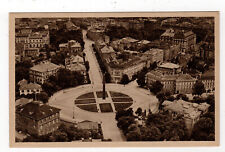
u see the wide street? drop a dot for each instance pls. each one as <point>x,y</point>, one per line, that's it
<point>64,99</point>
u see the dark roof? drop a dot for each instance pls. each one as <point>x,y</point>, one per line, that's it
<point>182,34</point>
<point>208,75</point>
<point>36,111</point>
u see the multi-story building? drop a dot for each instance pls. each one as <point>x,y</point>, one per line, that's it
<point>169,68</point>
<point>173,83</point>
<point>191,112</point>
<point>118,69</point>
<point>72,47</point>
<point>75,63</point>
<point>208,79</point>
<point>184,84</point>
<point>168,81</point>
<point>187,39</point>
<point>30,88</point>
<point>37,118</point>
<point>40,72</point>
<point>31,42</point>
<point>154,55</point>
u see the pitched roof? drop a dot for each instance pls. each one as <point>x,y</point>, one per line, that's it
<point>188,109</point>
<point>22,101</point>
<point>45,66</point>
<point>185,77</point>
<point>107,49</point>
<point>208,75</point>
<point>169,66</point>
<point>30,86</point>
<point>36,111</point>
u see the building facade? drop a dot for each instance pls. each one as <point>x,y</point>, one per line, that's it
<point>41,72</point>
<point>36,118</point>
<point>30,88</point>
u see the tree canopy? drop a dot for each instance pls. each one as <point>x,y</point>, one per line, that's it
<point>198,88</point>
<point>156,87</point>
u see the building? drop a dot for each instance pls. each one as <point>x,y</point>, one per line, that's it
<point>184,84</point>
<point>36,118</point>
<point>169,68</point>
<point>22,101</point>
<point>118,68</point>
<point>154,55</point>
<point>88,125</point>
<point>208,79</point>
<point>72,47</point>
<point>40,72</point>
<point>96,34</point>
<point>30,88</point>
<point>191,112</point>
<point>125,43</point>
<point>71,26</point>
<point>186,38</point>
<point>75,63</point>
<point>173,83</point>
<point>168,81</point>
<point>168,35</point>
<point>29,43</point>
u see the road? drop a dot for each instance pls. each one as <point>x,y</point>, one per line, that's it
<point>94,71</point>
<point>64,99</point>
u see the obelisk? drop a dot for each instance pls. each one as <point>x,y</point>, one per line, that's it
<point>103,90</point>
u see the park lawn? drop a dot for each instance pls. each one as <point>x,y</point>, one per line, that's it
<point>85,101</point>
<point>121,106</point>
<point>100,94</point>
<point>86,95</point>
<point>117,94</point>
<point>122,99</point>
<point>90,107</point>
<point>106,107</point>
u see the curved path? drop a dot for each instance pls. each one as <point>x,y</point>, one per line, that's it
<point>64,100</point>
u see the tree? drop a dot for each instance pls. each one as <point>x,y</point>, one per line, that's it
<point>198,88</point>
<point>125,79</point>
<point>43,96</point>
<point>156,87</point>
<point>125,122</point>
<point>204,129</point>
<point>49,88</point>
<point>133,136</point>
<point>121,113</point>
<point>141,79</point>
<point>138,111</point>
<point>87,65</point>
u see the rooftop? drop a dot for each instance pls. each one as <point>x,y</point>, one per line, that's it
<point>188,109</point>
<point>30,86</point>
<point>169,66</point>
<point>36,111</point>
<point>107,49</point>
<point>210,74</point>
<point>45,66</point>
<point>185,77</point>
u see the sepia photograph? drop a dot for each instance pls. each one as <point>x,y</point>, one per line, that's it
<point>114,79</point>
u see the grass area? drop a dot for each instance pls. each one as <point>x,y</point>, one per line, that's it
<point>100,94</point>
<point>86,95</point>
<point>85,101</point>
<point>106,107</point>
<point>91,107</point>
<point>117,94</point>
<point>122,99</point>
<point>121,106</point>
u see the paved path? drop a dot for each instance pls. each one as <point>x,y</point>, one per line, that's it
<point>64,99</point>
<point>94,71</point>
